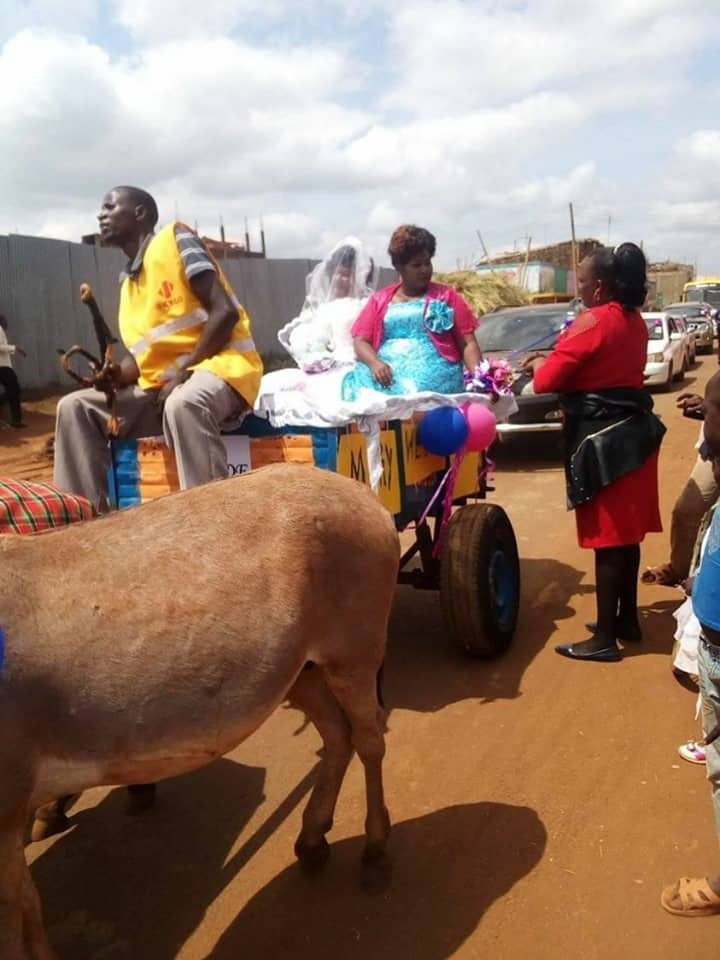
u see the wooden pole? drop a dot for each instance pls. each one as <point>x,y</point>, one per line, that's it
<point>485,250</point>
<point>574,247</point>
<point>523,271</point>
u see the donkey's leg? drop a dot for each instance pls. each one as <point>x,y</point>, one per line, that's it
<point>356,691</point>
<point>310,693</point>
<point>34,936</point>
<point>12,876</point>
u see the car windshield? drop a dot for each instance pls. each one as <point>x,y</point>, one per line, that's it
<point>655,328</point>
<point>685,310</point>
<point>520,330</point>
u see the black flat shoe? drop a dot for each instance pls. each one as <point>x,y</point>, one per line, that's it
<point>633,635</point>
<point>576,652</point>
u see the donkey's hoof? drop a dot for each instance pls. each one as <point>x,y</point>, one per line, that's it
<point>140,798</point>
<point>313,857</point>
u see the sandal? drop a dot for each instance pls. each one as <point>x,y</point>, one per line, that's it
<point>697,898</point>
<point>692,751</point>
<point>662,576</point>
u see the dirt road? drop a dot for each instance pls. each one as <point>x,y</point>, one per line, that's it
<point>538,804</point>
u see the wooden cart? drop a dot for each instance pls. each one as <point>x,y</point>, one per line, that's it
<point>475,569</point>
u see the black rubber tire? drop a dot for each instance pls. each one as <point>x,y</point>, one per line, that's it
<point>480,546</point>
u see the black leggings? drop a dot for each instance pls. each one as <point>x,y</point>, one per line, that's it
<point>616,576</point>
<point>11,385</point>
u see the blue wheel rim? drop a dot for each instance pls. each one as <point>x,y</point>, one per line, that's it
<point>503,588</point>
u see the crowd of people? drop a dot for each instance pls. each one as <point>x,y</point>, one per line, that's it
<point>192,368</point>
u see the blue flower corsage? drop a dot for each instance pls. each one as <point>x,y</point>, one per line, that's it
<point>439,316</point>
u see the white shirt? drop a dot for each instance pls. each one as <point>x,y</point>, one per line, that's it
<point>6,350</point>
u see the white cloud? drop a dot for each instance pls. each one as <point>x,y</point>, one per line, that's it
<point>703,145</point>
<point>19,15</point>
<point>159,20</point>
<point>686,213</point>
<point>451,54</point>
<point>354,116</point>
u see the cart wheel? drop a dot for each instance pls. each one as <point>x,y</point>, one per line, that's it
<point>480,580</point>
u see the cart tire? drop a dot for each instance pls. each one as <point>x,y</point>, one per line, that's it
<point>480,580</point>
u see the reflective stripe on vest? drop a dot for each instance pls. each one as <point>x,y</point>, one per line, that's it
<point>242,346</point>
<point>193,319</point>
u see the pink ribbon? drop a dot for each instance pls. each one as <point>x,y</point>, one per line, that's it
<point>448,484</point>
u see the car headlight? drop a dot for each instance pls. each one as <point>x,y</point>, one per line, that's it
<point>656,358</point>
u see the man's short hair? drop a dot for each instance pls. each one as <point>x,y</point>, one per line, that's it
<point>141,198</point>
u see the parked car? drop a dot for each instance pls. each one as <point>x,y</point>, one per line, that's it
<point>699,319</point>
<point>692,340</point>
<point>511,333</point>
<point>668,351</point>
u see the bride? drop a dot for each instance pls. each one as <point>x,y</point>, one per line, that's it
<point>336,291</point>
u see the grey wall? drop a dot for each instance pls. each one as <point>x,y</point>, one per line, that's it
<point>39,294</point>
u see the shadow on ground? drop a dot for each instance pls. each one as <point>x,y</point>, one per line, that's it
<point>119,887</point>
<point>658,627</point>
<point>424,673</point>
<point>450,866</point>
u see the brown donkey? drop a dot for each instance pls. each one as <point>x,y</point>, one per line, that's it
<point>150,642</point>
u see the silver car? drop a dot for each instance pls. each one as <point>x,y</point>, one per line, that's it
<point>698,320</point>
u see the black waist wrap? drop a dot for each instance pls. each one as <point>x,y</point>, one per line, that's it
<point>607,435</point>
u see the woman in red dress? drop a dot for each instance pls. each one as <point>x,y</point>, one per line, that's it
<point>601,358</point>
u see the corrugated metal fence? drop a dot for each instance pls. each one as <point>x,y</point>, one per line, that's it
<point>39,294</point>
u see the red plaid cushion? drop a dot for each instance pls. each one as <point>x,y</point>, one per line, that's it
<point>31,507</point>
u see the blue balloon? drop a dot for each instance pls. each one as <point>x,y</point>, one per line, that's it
<point>443,431</point>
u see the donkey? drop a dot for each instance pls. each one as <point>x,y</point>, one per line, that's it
<point>150,642</point>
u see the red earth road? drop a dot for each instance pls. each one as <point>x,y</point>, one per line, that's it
<point>538,804</point>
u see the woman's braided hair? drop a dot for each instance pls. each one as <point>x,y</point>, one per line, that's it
<point>407,242</point>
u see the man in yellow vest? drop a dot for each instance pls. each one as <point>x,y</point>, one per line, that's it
<point>192,363</point>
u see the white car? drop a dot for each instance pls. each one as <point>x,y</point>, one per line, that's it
<point>668,350</point>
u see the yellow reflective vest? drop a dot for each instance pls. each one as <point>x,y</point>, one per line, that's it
<point>161,320</point>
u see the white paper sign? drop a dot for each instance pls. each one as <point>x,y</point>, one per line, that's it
<point>238,454</point>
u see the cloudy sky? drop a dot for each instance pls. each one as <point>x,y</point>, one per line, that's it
<point>329,117</point>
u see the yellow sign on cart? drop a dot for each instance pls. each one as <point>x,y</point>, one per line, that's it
<point>419,464</point>
<point>352,462</point>
<point>467,481</point>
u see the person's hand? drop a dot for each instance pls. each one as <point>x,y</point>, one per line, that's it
<point>382,373</point>
<point>687,586</point>
<point>167,388</point>
<point>692,405</point>
<point>20,351</point>
<point>532,363</point>
<point>108,378</point>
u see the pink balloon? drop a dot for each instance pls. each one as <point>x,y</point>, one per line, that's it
<point>482,427</point>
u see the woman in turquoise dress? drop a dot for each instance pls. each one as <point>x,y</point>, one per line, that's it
<point>414,336</point>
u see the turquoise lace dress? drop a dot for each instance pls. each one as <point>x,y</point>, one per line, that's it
<point>407,348</point>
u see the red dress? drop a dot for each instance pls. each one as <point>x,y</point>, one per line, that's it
<point>607,348</point>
